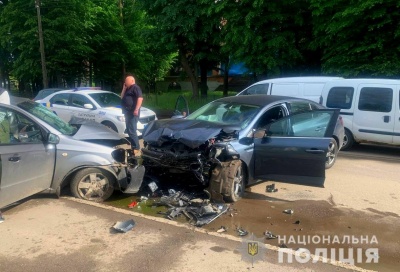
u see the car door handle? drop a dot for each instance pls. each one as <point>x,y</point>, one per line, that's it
<point>386,118</point>
<point>315,151</point>
<point>15,159</point>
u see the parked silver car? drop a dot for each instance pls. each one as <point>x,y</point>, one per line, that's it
<point>40,152</point>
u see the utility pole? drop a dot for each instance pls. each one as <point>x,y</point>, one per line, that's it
<point>122,24</point>
<point>42,54</point>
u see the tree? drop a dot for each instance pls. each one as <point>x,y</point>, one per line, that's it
<point>358,38</point>
<point>268,36</point>
<point>186,27</point>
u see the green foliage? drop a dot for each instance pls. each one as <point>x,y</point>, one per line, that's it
<point>166,101</point>
<point>358,38</point>
<point>266,35</point>
<point>94,40</point>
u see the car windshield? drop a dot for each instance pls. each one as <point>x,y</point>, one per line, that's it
<point>48,117</point>
<point>106,99</point>
<point>236,114</point>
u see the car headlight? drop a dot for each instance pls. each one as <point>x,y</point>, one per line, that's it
<point>121,118</point>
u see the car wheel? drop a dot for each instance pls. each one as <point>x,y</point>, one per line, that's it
<point>110,126</point>
<point>331,154</point>
<point>348,140</point>
<point>235,178</point>
<point>92,184</point>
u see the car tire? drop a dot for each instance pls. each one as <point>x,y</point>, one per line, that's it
<point>332,153</point>
<point>348,140</point>
<point>110,125</point>
<point>92,184</point>
<point>235,179</point>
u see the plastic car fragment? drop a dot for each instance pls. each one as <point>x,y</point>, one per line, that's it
<point>124,226</point>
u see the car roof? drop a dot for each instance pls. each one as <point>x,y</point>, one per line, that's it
<point>368,81</point>
<point>259,99</point>
<point>298,79</point>
<point>83,91</point>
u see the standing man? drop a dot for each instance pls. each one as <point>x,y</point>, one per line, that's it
<point>131,102</point>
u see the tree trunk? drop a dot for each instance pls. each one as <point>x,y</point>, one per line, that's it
<point>203,77</point>
<point>189,72</point>
<point>226,77</point>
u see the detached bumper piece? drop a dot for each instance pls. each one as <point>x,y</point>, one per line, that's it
<point>199,211</point>
<point>135,177</point>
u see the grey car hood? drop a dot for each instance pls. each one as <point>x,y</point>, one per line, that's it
<point>191,133</point>
<point>95,132</point>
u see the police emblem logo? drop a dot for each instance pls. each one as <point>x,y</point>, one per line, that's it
<point>252,248</point>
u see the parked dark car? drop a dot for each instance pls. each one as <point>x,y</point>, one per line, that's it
<point>46,92</point>
<point>237,141</point>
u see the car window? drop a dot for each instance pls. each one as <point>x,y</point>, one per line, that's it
<point>296,107</point>
<point>306,124</point>
<point>269,117</point>
<point>340,97</point>
<point>48,117</point>
<point>257,89</point>
<point>236,114</point>
<point>106,99</point>
<point>60,99</point>
<point>79,101</point>
<point>15,128</point>
<point>376,99</point>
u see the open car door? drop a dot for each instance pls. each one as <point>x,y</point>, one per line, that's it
<point>181,108</point>
<point>293,149</point>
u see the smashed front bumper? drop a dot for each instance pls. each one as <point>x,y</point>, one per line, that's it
<point>129,173</point>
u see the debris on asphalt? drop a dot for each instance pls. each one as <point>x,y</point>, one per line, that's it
<point>124,226</point>
<point>132,204</point>
<point>152,186</point>
<point>288,211</point>
<point>297,222</point>
<point>1,218</point>
<point>242,232</point>
<point>271,188</point>
<point>222,229</point>
<point>199,211</point>
<point>269,235</point>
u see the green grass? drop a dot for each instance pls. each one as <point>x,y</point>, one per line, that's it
<point>167,100</point>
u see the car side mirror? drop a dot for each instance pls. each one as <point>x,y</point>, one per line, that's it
<point>88,106</point>
<point>52,138</point>
<point>246,141</point>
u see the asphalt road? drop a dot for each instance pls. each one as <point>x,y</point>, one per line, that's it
<point>360,198</point>
<point>47,234</point>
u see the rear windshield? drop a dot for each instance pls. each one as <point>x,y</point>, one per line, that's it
<point>340,97</point>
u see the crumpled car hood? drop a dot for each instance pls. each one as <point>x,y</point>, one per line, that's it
<point>191,133</point>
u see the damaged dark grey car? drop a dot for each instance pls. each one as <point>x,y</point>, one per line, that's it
<point>41,153</point>
<point>237,141</point>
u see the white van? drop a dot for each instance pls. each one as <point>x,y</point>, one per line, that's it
<point>370,109</point>
<point>301,87</point>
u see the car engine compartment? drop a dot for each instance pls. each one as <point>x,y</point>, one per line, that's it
<point>185,147</point>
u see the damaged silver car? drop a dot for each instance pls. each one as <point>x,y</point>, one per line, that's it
<point>41,153</point>
<point>237,141</point>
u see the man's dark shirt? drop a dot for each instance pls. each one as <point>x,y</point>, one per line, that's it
<point>130,98</point>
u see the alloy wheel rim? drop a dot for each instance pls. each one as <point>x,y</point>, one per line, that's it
<point>93,186</point>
